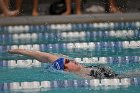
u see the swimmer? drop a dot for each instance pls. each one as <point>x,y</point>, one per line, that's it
<point>68,65</point>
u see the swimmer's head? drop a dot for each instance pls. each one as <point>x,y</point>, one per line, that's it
<point>66,65</point>
<point>71,65</point>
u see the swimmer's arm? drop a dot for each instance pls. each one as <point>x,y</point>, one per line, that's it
<point>40,56</point>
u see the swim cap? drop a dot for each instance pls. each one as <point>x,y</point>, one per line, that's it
<point>59,64</point>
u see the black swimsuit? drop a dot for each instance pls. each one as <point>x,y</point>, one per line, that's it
<point>101,72</point>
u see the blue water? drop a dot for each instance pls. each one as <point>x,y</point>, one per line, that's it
<point>21,75</point>
<point>53,41</point>
<point>42,74</point>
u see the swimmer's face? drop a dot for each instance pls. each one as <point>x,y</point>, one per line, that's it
<point>71,65</point>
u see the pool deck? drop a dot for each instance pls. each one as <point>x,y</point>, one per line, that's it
<point>86,18</point>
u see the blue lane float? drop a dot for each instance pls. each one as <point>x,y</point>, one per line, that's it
<point>76,45</point>
<point>92,60</point>
<point>70,83</point>
<point>97,26</point>
<point>72,35</point>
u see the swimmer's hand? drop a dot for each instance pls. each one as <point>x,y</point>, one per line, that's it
<point>15,51</point>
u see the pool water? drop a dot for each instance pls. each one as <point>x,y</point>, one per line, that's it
<point>113,44</point>
<point>42,74</point>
